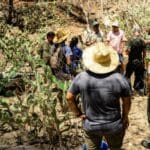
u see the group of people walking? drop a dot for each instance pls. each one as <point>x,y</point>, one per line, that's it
<point>100,85</point>
<point>62,58</point>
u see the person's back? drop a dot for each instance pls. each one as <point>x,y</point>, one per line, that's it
<point>77,54</point>
<point>136,52</point>
<point>101,89</point>
<point>62,56</point>
<point>100,96</point>
<point>136,46</point>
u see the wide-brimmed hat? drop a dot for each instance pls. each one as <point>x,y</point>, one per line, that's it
<point>115,24</point>
<point>100,58</point>
<point>61,35</point>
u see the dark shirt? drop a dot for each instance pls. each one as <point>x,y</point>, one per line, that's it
<point>77,53</point>
<point>100,97</point>
<point>136,46</point>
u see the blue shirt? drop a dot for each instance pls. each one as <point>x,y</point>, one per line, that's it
<point>77,53</point>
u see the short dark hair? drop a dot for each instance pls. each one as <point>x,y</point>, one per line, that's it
<point>50,34</point>
<point>74,41</point>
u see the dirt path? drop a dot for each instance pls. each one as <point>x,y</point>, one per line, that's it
<point>136,132</point>
<point>138,128</point>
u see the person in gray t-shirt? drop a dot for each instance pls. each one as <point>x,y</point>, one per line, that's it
<point>101,88</point>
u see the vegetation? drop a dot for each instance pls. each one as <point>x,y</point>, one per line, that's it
<point>38,109</point>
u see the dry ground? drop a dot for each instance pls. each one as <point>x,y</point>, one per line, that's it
<point>136,132</point>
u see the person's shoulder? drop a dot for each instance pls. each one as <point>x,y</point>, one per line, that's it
<point>77,48</point>
<point>82,74</point>
<point>79,77</point>
<point>121,32</point>
<point>67,47</point>
<point>118,76</point>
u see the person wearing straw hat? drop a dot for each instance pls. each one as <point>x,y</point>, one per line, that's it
<point>101,88</point>
<point>116,39</point>
<point>60,61</point>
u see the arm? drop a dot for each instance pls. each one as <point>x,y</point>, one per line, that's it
<point>68,54</point>
<point>72,104</point>
<point>108,38</point>
<point>126,105</point>
<point>68,60</point>
<point>147,41</point>
<point>128,47</point>
<point>127,51</point>
<point>123,41</point>
<point>144,56</point>
<point>144,52</point>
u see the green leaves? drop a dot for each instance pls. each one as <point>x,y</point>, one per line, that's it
<point>147,59</point>
<point>41,106</point>
<point>63,85</point>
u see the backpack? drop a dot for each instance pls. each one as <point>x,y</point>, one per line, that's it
<point>57,59</point>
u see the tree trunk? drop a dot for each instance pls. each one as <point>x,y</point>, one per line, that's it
<point>10,11</point>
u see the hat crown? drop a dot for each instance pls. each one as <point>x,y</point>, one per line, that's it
<point>61,35</point>
<point>115,24</point>
<point>101,55</point>
<point>100,58</point>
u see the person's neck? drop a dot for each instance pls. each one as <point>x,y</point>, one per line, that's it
<point>51,42</point>
<point>97,31</point>
<point>100,74</point>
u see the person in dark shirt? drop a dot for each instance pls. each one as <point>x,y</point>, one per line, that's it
<point>101,88</point>
<point>77,54</point>
<point>137,53</point>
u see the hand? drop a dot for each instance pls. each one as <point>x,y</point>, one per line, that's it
<point>83,117</point>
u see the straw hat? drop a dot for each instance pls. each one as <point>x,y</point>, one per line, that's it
<point>115,24</point>
<point>61,35</point>
<point>100,58</point>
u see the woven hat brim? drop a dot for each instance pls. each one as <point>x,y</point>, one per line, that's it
<point>56,40</point>
<point>98,68</point>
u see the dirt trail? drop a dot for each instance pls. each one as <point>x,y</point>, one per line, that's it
<point>139,128</point>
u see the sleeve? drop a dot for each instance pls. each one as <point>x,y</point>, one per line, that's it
<point>125,88</point>
<point>74,87</point>
<point>68,51</point>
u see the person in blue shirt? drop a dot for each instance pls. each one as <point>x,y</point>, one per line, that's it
<point>77,53</point>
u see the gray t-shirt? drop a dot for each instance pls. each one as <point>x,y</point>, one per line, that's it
<point>100,97</point>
